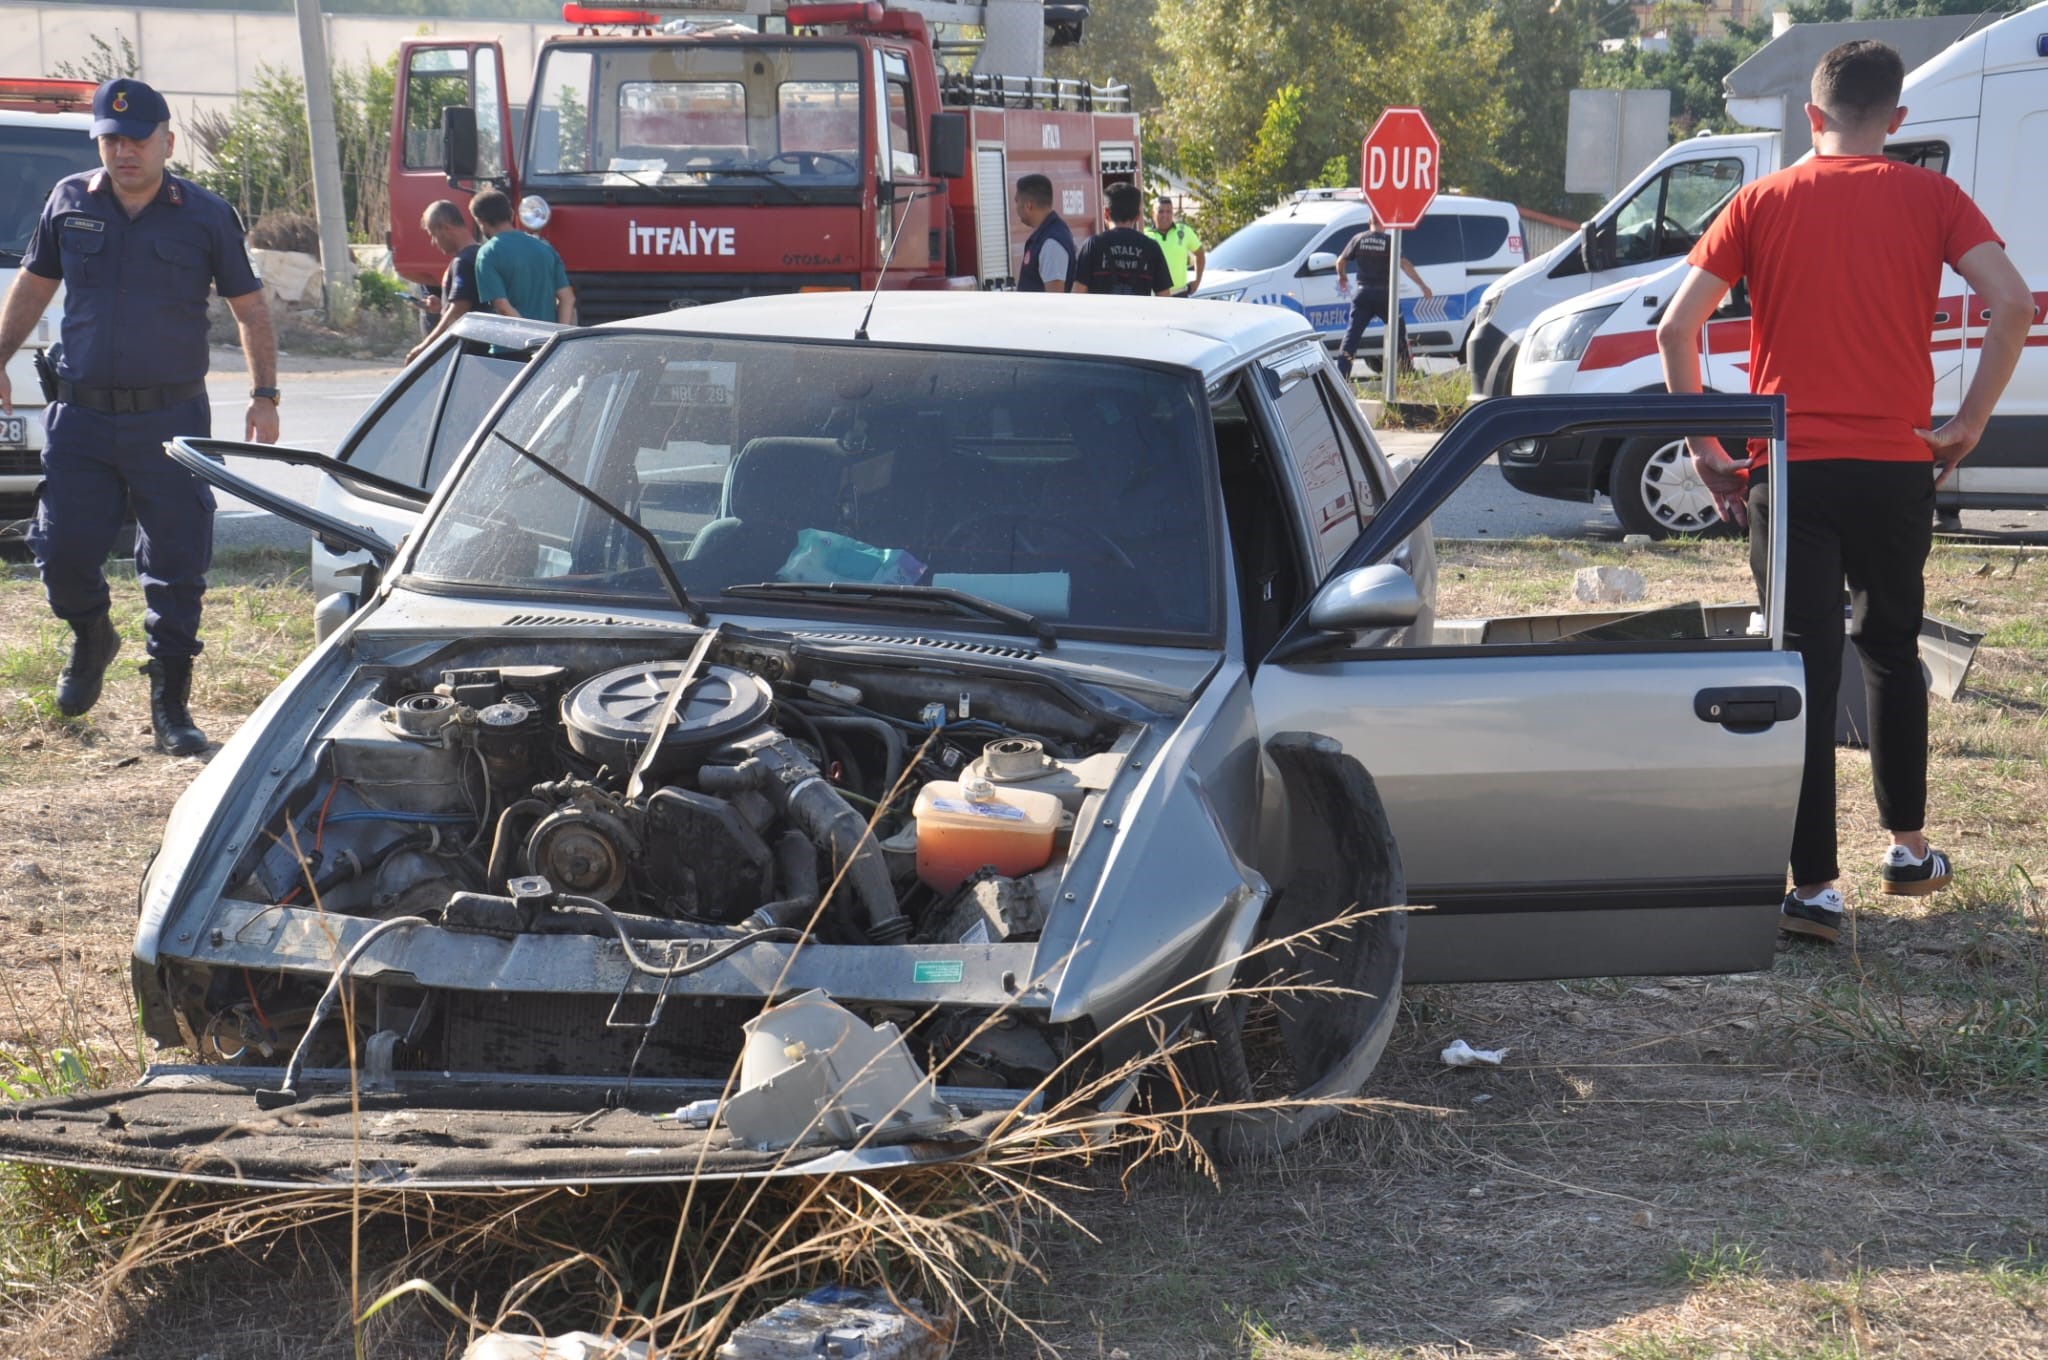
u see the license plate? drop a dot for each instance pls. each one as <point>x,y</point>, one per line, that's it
<point>13,432</point>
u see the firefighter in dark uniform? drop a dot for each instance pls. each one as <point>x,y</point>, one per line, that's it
<point>137,251</point>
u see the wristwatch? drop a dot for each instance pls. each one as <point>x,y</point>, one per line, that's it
<point>269,394</point>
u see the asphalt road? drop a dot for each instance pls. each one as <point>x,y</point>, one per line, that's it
<point>322,401</point>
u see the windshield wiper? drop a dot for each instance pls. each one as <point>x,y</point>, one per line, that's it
<point>959,601</point>
<point>9,255</point>
<point>754,171</point>
<point>691,609</point>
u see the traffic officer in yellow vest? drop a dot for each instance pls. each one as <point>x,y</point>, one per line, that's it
<point>137,250</point>
<point>1181,245</point>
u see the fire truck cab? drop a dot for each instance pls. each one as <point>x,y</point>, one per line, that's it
<point>674,163</point>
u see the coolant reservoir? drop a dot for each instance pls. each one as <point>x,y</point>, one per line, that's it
<point>965,826</point>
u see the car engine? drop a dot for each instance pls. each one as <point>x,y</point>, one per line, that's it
<point>724,797</point>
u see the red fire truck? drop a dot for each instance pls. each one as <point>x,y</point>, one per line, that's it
<point>684,162</point>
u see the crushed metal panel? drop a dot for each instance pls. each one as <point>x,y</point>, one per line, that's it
<point>437,1132</point>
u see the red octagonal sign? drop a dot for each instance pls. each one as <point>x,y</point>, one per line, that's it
<point>1398,167</point>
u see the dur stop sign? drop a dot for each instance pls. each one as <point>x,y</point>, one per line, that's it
<point>1399,166</point>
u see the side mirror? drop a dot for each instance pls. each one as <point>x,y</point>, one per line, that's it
<point>1322,262</point>
<point>458,142</point>
<point>946,146</point>
<point>1596,246</point>
<point>1380,596</point>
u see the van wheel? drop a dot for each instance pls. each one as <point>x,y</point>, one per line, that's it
<point>1656,492</point>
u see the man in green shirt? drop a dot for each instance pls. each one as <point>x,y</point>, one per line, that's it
<point>1181,245</point>
<point>518,274</point>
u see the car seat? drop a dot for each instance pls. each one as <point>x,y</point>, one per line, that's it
<point>776,486</point>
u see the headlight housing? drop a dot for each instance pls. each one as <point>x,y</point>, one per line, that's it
<point>1224,295</point>
<point>1486,306</point>
<point>534,212</point>
<point>1563,339</point>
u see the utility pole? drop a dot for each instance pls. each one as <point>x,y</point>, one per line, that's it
<point>336,264</point>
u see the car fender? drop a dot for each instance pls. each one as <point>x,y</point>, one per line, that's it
<point>1176,883</point>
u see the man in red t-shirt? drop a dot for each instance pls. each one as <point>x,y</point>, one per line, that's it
<point>1843,255</point>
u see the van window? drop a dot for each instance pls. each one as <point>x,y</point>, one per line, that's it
<point>1484,236</point>
<point>1927,155</point>
<point>1263,245</point>
<point>1436,240</point>
<point>1666,216</point>
<point>1338,239</point>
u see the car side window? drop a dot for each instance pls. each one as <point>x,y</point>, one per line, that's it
<point>1928,155</point>
<point>1329,492</point>
<point>395,444</point>
<point>1365,480</point>
<point>480,379</point>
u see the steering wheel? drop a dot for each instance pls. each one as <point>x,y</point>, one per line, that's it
<point>1671,227</point>
<point>807,162</point>
<point>1036,535</point>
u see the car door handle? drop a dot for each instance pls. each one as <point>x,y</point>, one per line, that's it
<point>1746,708</point>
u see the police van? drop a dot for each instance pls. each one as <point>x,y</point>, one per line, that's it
<point>1288,259</point>
<point>1978,113</point>
<point>43,137</point>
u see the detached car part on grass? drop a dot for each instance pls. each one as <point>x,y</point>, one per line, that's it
<point>1020,703</point>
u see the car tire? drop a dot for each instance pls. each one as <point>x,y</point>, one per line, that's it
<point>1304,1026</point>
<point>1656,492</point>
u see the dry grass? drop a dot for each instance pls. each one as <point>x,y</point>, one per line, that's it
<point>1840,1158</point>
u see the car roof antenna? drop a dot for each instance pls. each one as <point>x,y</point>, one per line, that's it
<point>860,332</point>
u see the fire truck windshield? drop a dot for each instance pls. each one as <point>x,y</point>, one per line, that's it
<point>683,115</point>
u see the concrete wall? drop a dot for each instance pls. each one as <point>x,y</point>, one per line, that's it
<point>200,58</point>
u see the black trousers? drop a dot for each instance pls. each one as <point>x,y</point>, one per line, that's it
<point>1367,306</point>
<point>1870,524</point>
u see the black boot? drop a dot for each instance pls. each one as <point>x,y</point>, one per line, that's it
<point>170,693</point>
<point>93,645</point>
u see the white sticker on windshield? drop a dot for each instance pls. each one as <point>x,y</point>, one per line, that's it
<point>1044,593</point>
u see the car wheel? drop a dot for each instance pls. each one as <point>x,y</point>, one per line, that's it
<point>1306,1022</point>
<point>1656,492</point>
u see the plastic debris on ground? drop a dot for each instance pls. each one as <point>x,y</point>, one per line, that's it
<point>1462,1054</point>
<point>568,1346</point>
<point>812,1072</point>
<point>839,1323</point>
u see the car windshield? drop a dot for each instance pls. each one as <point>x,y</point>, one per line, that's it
<point>1071,490</point>
<point>31,160</point>
<point>1263,245</point>
<point>684,114</point>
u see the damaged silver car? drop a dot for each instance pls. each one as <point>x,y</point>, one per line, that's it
<point>956,683</point>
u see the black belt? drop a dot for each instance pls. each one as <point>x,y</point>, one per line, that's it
<point>126,400</point>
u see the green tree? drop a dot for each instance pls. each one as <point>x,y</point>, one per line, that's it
<point>1119,43</point>
<point>260,155</point>
<point>1547,44</point>
<point>105,62</point>
<point>1259,98</point>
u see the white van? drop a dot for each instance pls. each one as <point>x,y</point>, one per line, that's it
<point>1288,259</point>
<point>42,139</point>
<point>1660,213</point>
<point>1978,112</point>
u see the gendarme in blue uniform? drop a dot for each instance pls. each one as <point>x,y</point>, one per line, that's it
<point>133,365</point>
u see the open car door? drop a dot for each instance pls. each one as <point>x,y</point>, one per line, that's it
<point>1567,803</point>
<point>410,437</point>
